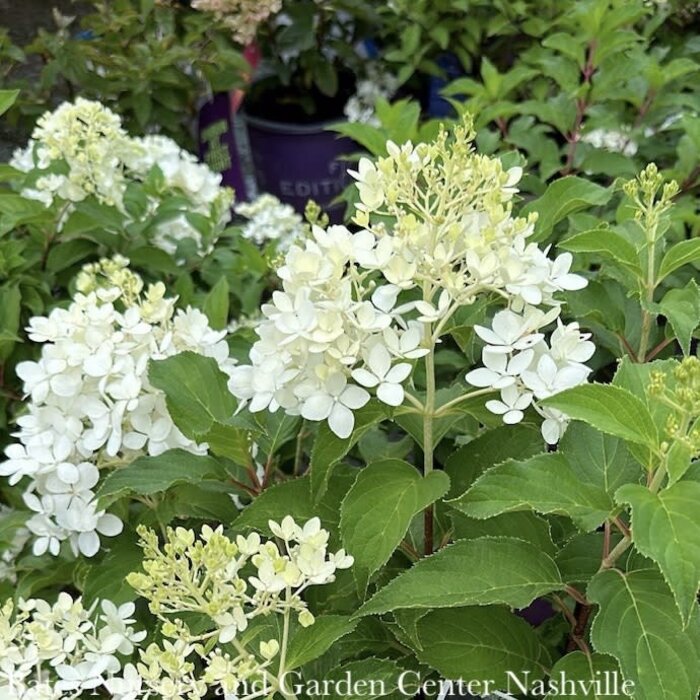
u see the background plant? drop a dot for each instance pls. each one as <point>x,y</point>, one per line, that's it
<point>148,62</point>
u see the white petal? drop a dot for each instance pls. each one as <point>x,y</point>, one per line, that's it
<point>398,373</point>
<point>89,543</point>
<point>317,407</point>
<point>341,421</point>
<point>354,397</point>
<point>512,417</point>
<point>390,394</point>
<point>109,525</point>
<point>482,377</point>
<point>364,377</point>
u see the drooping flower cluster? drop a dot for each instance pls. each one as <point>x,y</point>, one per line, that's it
<point>437,231</point>
<point>361,106</point>
<point>231,583</point>
<point>82,150</point>
<point>270,220</point>
<point>61,651</point>
<point>91,404</point>
<point>242,17</point>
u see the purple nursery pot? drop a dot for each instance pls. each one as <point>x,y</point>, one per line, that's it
<point>298,162</point>
<point>218,146</point>
<point>539,611</point>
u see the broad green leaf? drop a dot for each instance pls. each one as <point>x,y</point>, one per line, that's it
<point>230,442</point>
<point>607,243</point>
<point>7,99</point>
<point>563,197</point>
<point>608,408</point>
<point>276,429</point>
<point>492,447</point>
<point>148,475</point>
<point>480,644</point>
<point>678,255</point>
<point>666,528</point>
<point>579,559</point>
<point>329,449</point>
<point>10,310</point>
<point>471,572</point>
<point>371,678</point>
<point>545,483</point>
<point>682,309</point>
<point>68,253</point>
<point>216,304</point>
<point>586,675</point>
<point>308,643</point>
<point>522,524</point>
<point>638,623</point>
<point>599,459</point>
<point>196,392</point>
<point>107,578</point>
<point>287,498</point>
<point>377,511</point>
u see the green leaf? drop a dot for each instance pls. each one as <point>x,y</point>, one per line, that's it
<point>587,674</point>
<point>599,459</point>
<point>666,528</point>
<point>230,442</point>
<point>276,429</point>
<point>608,408</point>
<point>329,449</point>
<point>196,392</point>
<point>680,254</point>
<point>377,511</point>
<point>606,242</point>
<point>480,644</point>
<point>10,310</point>
<point>148,475</point>
<point>68,253</point>
<point>522,524</point>
<point>638,623</point>
<point>471,572</point>
<point>308,643</point>
<point>107,578</point>
<point>371,678</point>
<point>563,197</point>
<point>492,447</point>
<point>579,559</point>
<point>545,483</point>
<point>216,305</point>
<point>682,309</point>
<point>287,498</point>
<point>7,99</point>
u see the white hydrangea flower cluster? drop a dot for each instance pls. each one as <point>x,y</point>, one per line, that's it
<point>338,327</point>
<point>324,325</point>
<point>91,404</point>
<point>60,651</point>
<point>82,150</point>
<point>270,220</point>
<point>523,366</point>
<point>612,140</point>
<point>242,17</point>
<point>206,576</point>
<point>361,106</point>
